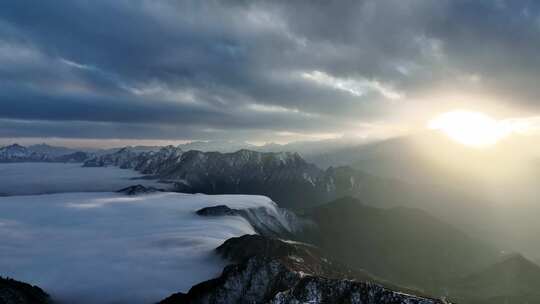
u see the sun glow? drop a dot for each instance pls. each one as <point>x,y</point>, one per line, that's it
<point>473,129</point>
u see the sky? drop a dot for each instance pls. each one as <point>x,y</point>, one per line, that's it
<point>260,71</point>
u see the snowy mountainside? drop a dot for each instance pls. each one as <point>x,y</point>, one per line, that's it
<point>41,153</point>
<point>285,177</point>
<point>15,153</point>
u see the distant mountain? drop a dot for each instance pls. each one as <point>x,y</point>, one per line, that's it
<point>124,158</point>
<point>53,151</point>
<point>223,146</point>
<point>283,176</point>
<point>293,182</point>
<point>340,156</point>
<point>432,158</point>
<point>75,157</point>
<point>15,292</point>
<point>315,151</point>
<point>514,279</point>
<point>137,149</point>
<point>17,153</point>
<point>403,245</point>
<point>272,271</point>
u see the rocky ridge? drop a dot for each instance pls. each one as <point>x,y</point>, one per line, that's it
<point>267,270</point>
<point>283,176</point>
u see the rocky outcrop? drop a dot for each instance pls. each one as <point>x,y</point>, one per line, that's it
<point>274,271</point>
<point>219,210</point>
<point>139,189</point>
<point>279,223</point>
<point>15,292</point>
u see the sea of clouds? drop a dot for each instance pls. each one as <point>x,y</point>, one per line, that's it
<point>106,247</point>
<point>39,178</point>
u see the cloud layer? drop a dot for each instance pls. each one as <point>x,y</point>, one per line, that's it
<point>104,247</point>
<point>255,69</point>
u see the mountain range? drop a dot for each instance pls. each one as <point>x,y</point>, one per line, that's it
<point>490,192</point>
<point>429,233</point>
<point>283,176</point>
<point>295,183</point>
<point>40,153</point>
<point>457,184</point>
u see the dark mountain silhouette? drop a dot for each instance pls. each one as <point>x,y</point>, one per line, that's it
<point>514,279</point>
<point>403,245</point>
<point>15,292</point>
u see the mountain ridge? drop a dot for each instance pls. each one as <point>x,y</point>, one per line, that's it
<point>513,279</point>
<point>17,153</point>
<point>406,246</point>
<point>278,272</point>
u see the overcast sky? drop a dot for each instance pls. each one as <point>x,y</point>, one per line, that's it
<point>259,70</point>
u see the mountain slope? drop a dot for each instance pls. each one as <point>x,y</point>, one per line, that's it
<point>274,271</point>
<point>514,279</point>
<point>403,245</point>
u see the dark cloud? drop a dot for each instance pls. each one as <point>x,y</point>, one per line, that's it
<point>172,69</point>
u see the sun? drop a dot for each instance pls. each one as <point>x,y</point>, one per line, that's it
<point>474,129</point>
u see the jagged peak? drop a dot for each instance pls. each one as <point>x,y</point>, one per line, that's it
<point>14,146</point>
<point>124,149</point>
<point>139,189</point>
